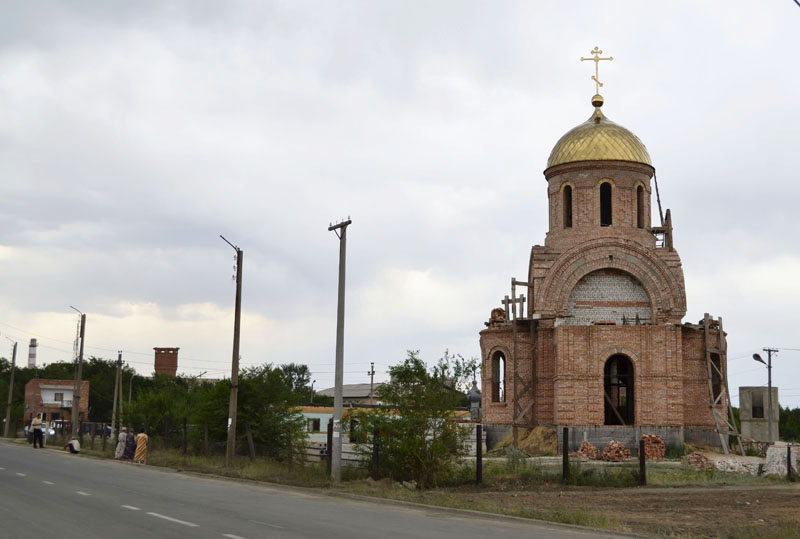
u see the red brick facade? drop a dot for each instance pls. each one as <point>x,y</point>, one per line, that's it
<point>602,288</point>
<point>166,361</point>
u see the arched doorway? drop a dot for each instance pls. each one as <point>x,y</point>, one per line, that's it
<point>618,391</point>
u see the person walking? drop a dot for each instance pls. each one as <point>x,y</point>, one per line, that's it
<point>141,448</point>
<point>130,447</point>
<point>123,434</point>
<point>36,425</point>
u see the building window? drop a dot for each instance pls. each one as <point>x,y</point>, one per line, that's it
<point>618,391</point>
<point>313,425</point>
<point>567,203</point>
<point>758,405</point>
<point>640,207</point>
<point>59,397</point>
<point>605,204</point>
<point>716,376</point>
<point>498,377</point>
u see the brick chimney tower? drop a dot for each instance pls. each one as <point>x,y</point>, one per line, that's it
<point>32,353</point>
<point>166,361</point>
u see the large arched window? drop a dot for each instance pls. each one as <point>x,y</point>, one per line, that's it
<point>618,391</point>
<point>640,206</point>
<point>605,204</point>
<point>567,204</point>
<point>498,377</point>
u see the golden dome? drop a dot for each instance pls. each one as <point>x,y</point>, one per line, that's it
<point>598,139</point>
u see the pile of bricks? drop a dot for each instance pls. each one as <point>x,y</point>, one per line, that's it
<point>615,451</point>
<point>587,451</point>
<point>654,447</point>
<point>699,461</point>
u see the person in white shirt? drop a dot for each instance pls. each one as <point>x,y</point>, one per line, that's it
<point>73,445</point>
<point>36,425</point>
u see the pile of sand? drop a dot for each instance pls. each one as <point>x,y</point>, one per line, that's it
<point>536,442</point>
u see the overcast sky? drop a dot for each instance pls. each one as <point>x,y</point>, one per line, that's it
<point>132,134</point>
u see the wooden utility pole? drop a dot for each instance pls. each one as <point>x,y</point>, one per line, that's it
<point>231,446</point>
<point>116,394</point>
<point>76,394</point>
<point>336,456</point>
<point>371,375</point>
<point>10,390</point>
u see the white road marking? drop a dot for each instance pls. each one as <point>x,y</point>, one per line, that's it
<point>21,474</point>
<point>48,482</point>
<point>190,524</point>
<point>82,493</point>
<point>268,524</point>
<point>232,536</point>
<point>1,468</point>
<point>132,508</point>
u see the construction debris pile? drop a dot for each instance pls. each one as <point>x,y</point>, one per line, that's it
<point>587,451</point>
<point>616,452</point>
<point>654,447</point>
<point>699,461</point>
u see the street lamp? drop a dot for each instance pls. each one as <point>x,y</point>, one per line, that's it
<point>312,390</point>
<point>10,388</point>
<point>768,363</point>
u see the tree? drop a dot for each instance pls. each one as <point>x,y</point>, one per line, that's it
<point>419,437</point>
<point>298,378</point>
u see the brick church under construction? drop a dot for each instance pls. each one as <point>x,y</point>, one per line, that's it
<point>600,346</point>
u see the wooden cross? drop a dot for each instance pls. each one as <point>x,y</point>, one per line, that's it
<point>511,303</point>
<point>596,58</point>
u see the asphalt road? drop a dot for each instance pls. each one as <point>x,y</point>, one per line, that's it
<point>49,493</point>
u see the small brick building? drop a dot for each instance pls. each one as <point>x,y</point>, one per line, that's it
<point>53,398</point>
<point>597,330</point>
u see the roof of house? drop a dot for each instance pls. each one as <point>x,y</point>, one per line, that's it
<point>351,391</point>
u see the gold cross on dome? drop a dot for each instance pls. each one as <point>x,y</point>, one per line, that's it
<point>597,52</point>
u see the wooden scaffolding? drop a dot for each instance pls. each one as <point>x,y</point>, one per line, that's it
<point>716,363</point>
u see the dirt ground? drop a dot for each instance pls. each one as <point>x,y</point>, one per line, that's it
<point>746,511</point>
<point>722,511</point>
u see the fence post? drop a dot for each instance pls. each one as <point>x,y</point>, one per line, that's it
<point>329,446</point>
<point>94,429</point>
<point>291,454</point>
<point>184,435</point>
<point>375,453</point>
<point>250,446</point>
<point>80,431</point>
<point>105,436</point>
<point>565,455</point>
<point>166,432</point>
<point>642,464</point>
<point>479,456</point>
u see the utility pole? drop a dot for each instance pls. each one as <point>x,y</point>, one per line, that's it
<point>371,375</point>
<point>10,389</point>
<point>116,393</point>
<point>757,357</point>
<point>76,394</point>
<point>336,453</point>
<point>231,448</point>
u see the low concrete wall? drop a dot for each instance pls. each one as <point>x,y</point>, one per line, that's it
<point>600,435</point>
<point>495,434</point>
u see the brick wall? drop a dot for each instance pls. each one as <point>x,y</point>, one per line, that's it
<point>166,361</point>
<point>608,295</point>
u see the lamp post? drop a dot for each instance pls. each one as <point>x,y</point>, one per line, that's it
<point>768,363</point>
<point>312,390</point>
<point>340,229</point>
<point>10,388</point>
<point>76,394</point>
<point>230,451</point>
